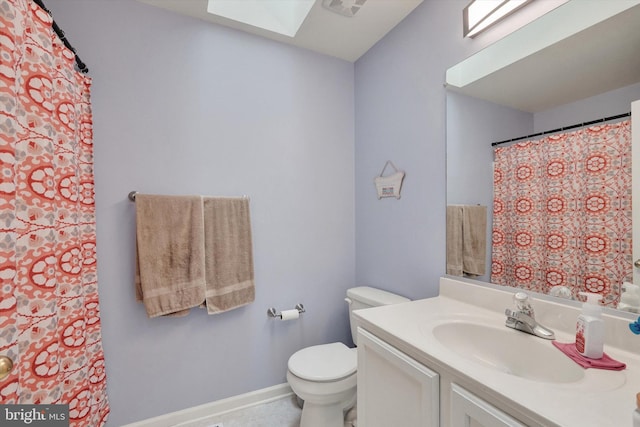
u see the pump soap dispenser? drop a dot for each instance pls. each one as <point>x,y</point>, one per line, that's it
<point>630,298</point>
<point>590,328</point>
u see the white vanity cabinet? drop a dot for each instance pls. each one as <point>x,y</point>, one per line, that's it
<point>393,388</point>
<point>468,410</point>
<point>413,372</point>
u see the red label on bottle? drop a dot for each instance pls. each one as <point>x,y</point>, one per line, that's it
<point>580,338</point>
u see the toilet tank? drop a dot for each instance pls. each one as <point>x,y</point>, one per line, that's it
<point>366,297</point>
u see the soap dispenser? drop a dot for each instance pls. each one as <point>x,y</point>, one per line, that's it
<point>590,328</point>
<point>630,298</point>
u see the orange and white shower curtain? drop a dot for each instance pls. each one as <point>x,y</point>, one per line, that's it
<point>49,312</point>
<point>562,212</point>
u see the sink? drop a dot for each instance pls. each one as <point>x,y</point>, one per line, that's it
<point>509,351</point>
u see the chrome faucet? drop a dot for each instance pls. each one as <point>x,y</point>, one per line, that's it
<point>523,318</point>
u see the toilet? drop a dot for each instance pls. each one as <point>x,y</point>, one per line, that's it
<point>324,376</point>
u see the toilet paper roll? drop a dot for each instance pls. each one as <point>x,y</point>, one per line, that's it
<point>290,314</point>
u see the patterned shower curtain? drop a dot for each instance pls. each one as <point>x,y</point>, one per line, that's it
<point>49,314</point>
<point>562,212</point>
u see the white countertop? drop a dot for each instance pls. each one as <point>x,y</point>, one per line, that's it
<point>601,398</point>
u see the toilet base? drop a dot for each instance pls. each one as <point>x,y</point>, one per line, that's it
<point>322,415</point>
<point>351,417</point>
<point>324,403</point>
<point>348,416</point>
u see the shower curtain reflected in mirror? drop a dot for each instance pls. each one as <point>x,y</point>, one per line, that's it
<point>562,213</point>
<point>49,312</point>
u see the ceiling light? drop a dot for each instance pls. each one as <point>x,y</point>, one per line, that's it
<point>481,14</point>
<point>280,16</point>
<point>344,7</point>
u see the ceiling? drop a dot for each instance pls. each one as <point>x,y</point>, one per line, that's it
<point>597,57</point>
<point>323,30</point>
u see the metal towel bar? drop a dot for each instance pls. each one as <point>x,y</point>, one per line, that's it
<point>132,196</point>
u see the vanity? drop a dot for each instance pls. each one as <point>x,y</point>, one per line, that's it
<point>450,361</point>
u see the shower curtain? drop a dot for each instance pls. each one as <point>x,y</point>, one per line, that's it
<point>49,313</point>
<point>562,212</point>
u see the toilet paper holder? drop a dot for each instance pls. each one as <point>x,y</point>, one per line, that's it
<point>272,312</point>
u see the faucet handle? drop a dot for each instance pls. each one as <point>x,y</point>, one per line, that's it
<point>523,304</point>
<point>523,322</point>
<point>519,316</point>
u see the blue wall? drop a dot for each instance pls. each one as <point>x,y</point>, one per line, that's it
<point>472,125</point>
<point>608,104</point>
<point>182,106</point>
<point>400,116</point>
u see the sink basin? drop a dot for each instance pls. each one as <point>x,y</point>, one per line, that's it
<point>506,350</point>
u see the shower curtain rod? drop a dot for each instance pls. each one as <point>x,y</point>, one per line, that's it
<point>82,67</point>
<point>579,125</point>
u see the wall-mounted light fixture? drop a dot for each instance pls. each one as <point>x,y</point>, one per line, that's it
<point>481,14</point>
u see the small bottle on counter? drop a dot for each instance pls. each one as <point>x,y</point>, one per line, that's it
<point>636,413</point>
<point>590,328</point>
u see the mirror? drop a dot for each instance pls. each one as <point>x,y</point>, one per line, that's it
<point>585,68</point>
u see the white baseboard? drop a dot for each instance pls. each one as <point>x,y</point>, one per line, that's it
<point>219,407</point>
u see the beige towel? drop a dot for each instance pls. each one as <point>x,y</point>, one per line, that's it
<point>170,267</point>
<point>229,260</point>
<point>466,240</point>
<point>474,240</point>
<point>454,240</point>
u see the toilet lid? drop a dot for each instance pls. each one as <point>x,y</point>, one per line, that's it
<point>326,362</point>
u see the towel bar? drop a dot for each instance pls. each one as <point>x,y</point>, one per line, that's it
<point>272,312</point>
<point>132,196</point>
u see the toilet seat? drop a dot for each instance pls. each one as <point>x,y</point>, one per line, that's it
<point>323,363</point>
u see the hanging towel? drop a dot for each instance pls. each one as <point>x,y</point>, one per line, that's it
<point>229,254</point>
<point>474,240</point>
<point>466,240</point>
<point>170,262</point>
<point>454,240</point>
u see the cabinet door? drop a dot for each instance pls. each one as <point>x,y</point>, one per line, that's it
<point>393,388</point>
<point>468,410</point>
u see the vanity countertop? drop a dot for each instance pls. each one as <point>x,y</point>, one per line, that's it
<point>601,398</point>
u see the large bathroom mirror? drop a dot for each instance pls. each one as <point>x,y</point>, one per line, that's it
<point>576,64</point>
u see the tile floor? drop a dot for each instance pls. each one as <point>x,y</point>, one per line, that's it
<point>283,412</point>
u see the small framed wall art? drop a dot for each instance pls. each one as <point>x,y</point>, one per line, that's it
<point>390,185</point>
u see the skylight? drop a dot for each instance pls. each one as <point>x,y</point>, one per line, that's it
<point>280,16</point>
<point>481,14</point>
